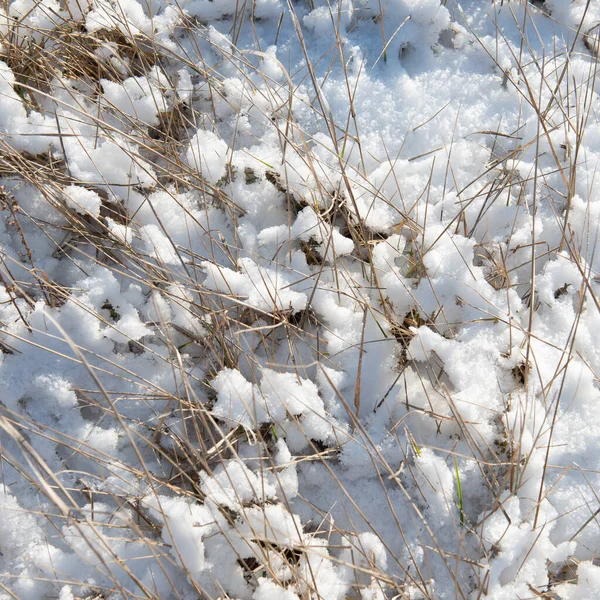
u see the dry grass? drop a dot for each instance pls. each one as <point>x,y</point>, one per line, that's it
<point>167,453</point>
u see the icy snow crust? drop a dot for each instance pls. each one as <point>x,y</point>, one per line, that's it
<point>268,331</point>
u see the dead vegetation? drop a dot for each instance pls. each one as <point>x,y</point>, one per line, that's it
<point>182,438</point>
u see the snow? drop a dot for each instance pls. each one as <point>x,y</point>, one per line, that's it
<point>262,288</point>
<point>267,590</point>
<point>207,155</point>
<point>270,323</point>
<point>82,200</point>
<point>588,578</point>
<point>138,97</point>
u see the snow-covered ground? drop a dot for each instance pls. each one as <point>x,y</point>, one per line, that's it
<point>299,299</point>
